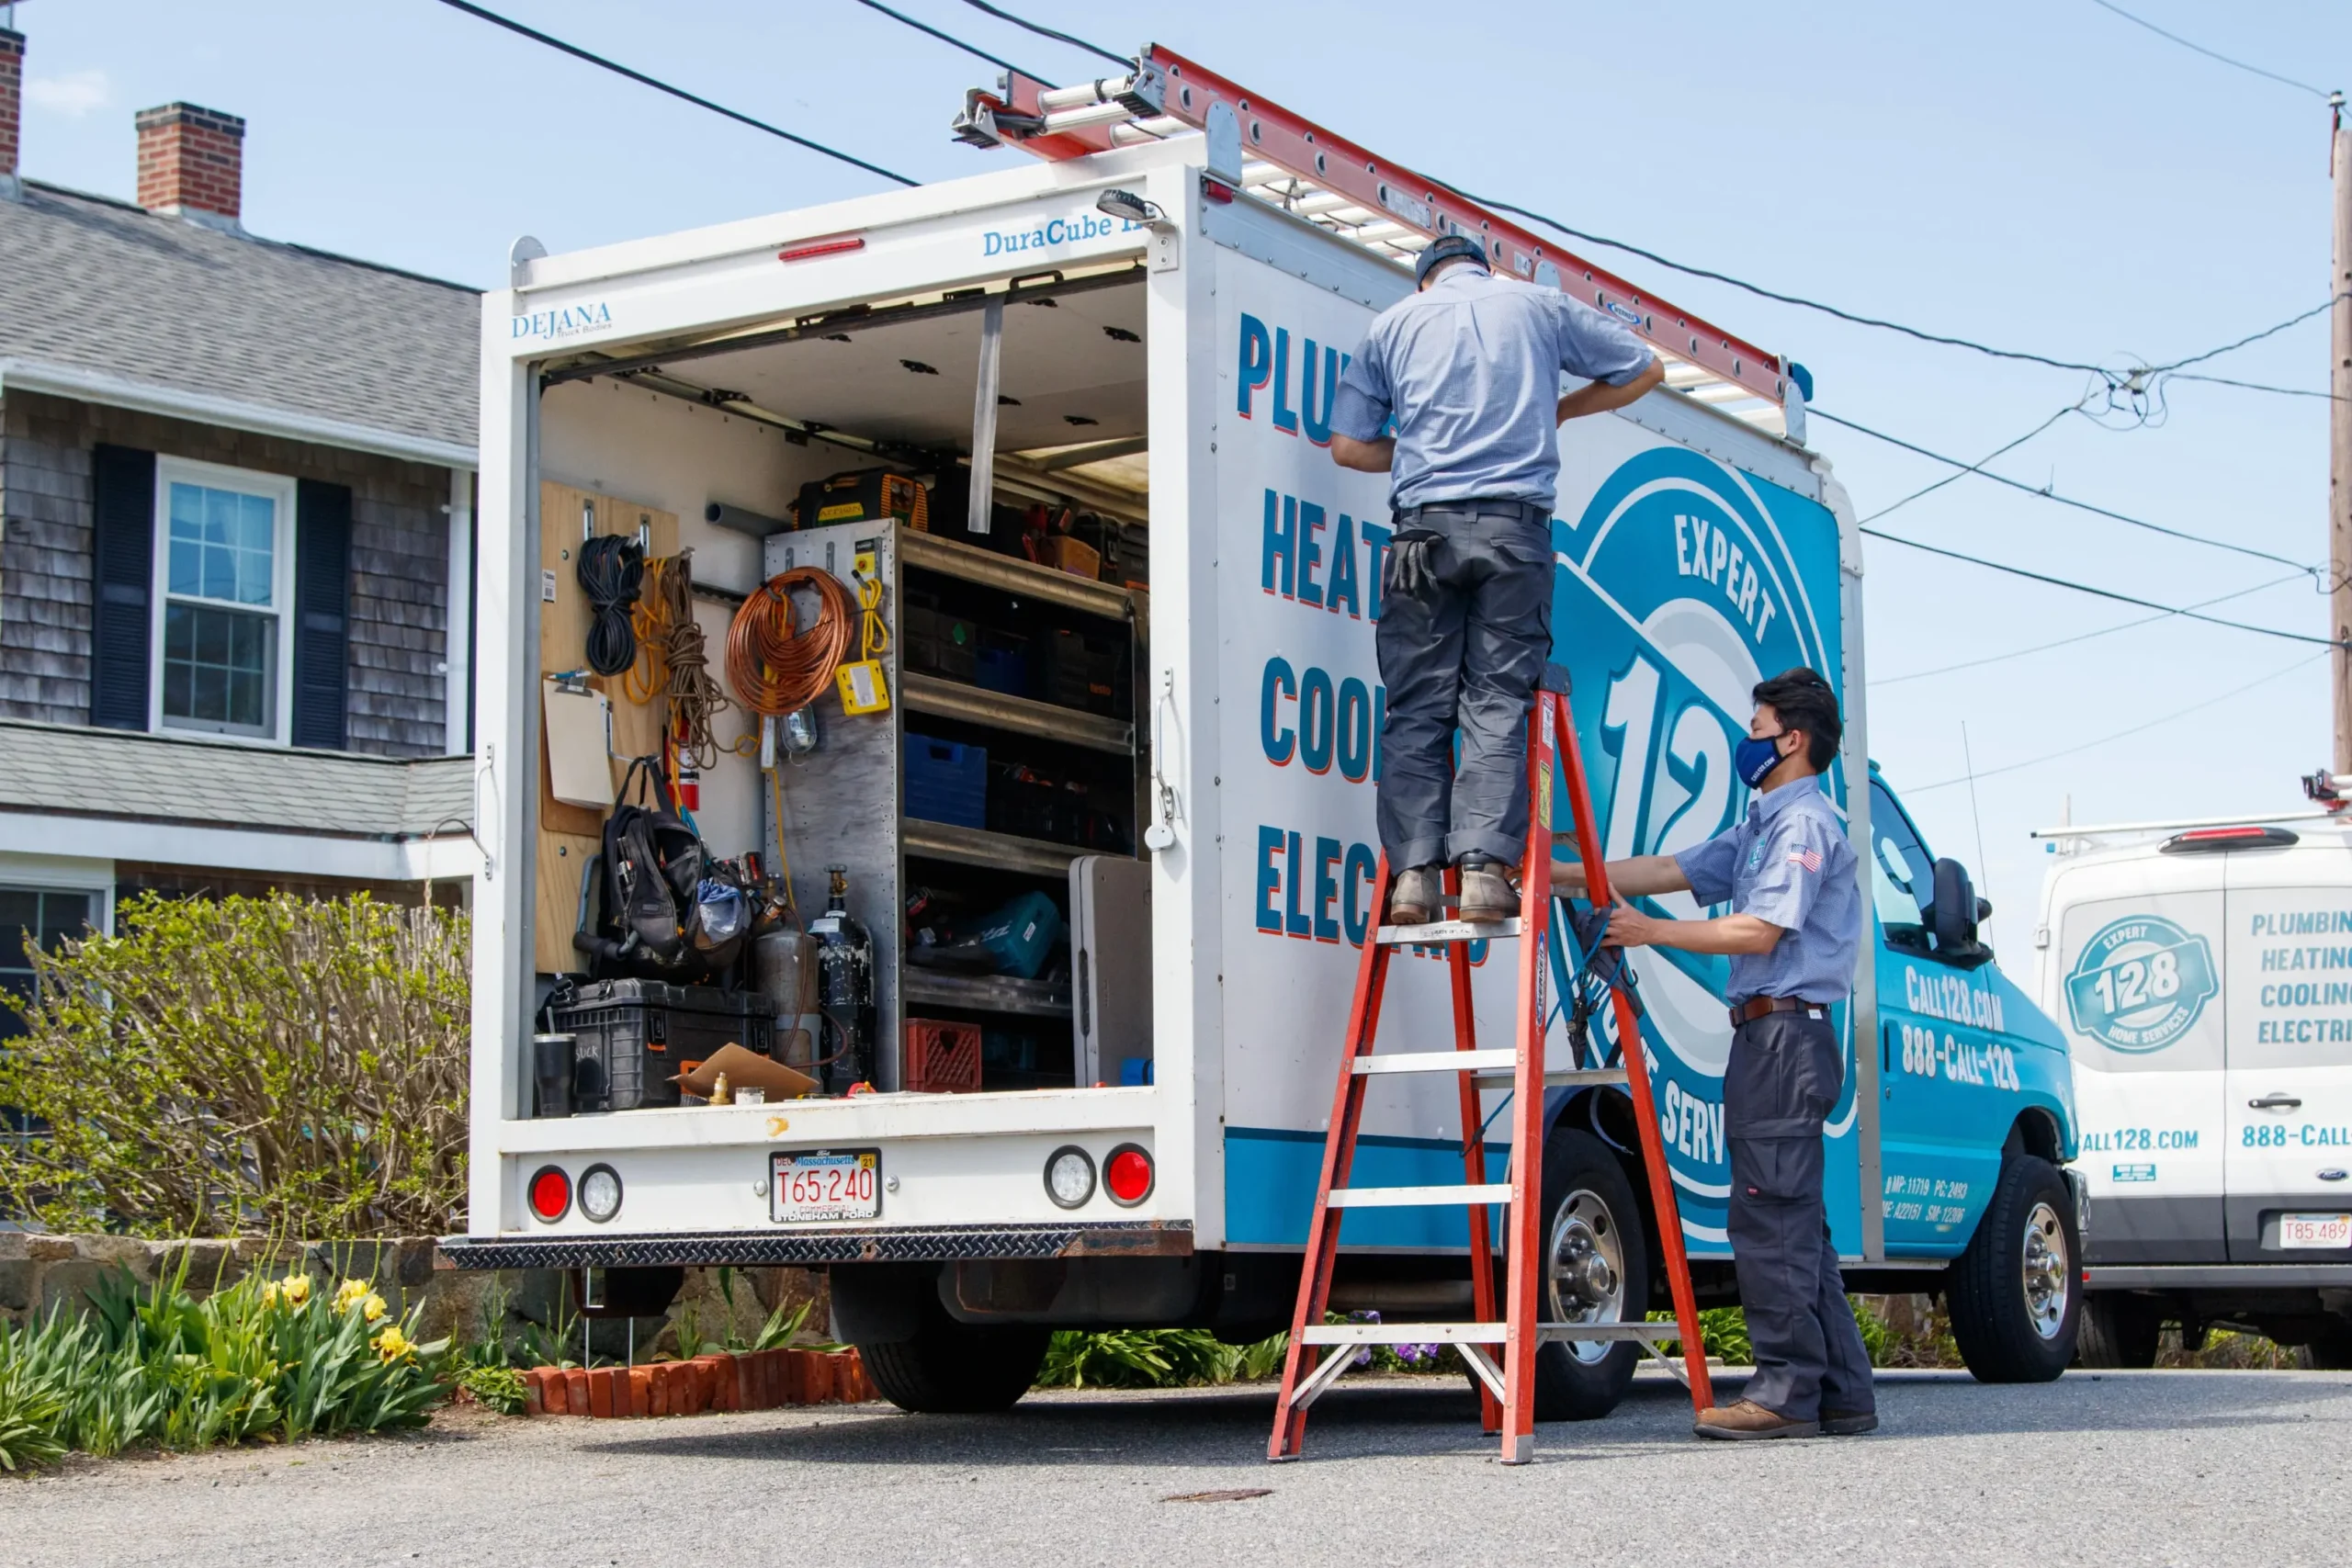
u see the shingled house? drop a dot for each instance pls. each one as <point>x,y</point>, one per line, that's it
<point>236,566</point>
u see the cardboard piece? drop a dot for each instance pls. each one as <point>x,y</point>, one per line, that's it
<point>744,1069</point>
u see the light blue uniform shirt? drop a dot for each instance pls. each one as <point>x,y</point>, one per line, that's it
<point>1471,367</point>
<point>1786,862</point>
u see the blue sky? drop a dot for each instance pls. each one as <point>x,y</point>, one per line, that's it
<point>2035,174</point>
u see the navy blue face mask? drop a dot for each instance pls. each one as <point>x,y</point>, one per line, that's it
<point>1755,756</point>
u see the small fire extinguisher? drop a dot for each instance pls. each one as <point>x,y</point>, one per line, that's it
<point>689,785</point>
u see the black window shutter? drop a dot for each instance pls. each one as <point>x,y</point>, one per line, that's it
<point>321,613</point>
<point>122,497</point>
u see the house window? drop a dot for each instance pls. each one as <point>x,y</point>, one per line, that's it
<point>225,552</point>
<point>34,917</point>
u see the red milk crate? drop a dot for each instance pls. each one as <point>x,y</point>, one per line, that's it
<point>941,1057</point>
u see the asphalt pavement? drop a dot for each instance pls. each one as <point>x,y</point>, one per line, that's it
<point>2102,1469</point>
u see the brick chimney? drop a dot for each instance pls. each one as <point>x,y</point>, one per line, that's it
<point>191,163</point>
<point>11,100</point>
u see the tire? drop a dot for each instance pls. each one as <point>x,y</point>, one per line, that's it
<point>956,1369</point>
<point>2016,1293</point>
<point>2118,1330</point>
<point>2329,1352</point>
<point>1590,1217</point>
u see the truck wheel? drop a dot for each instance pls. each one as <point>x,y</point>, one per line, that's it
<point>2118,1330</point>
<point>2015,1296</point>
<point>1595,1269</point>
<point>2330,1352</point>
<point>951,1368</point>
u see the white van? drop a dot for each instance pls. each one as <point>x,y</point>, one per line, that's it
<point>2203,974</point>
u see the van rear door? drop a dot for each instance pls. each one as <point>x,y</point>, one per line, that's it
<point>2288,1085</point>
<point>2139,967</point>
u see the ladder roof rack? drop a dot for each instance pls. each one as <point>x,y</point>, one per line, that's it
<point>1259,151</point>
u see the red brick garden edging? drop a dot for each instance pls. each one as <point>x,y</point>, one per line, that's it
<point>757,1379</point>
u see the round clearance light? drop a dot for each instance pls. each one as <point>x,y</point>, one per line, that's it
<point>1069,1177</point>
<point>600,1192</point>
<point>1128,1175</point>
<point>550,1193</point>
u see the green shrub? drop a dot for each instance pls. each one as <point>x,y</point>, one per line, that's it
<point>151,1365</point>
<point>244,1066</point>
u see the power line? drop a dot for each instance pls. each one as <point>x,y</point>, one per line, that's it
<point>1909,790</point>
<point>512,25</point>
<point>2061,500</point>
<point>2257,386</point>
<point>949,39</point>
<point>1122,62</point>
<point>2209,54</point>
<point>1975,468</point>
<point>2078,636</point>
<point>2095,592</point>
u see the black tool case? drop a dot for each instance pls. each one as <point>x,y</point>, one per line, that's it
<point>632,1036</point>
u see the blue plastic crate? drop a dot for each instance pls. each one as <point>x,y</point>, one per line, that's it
<point>1003,670</point>
<point>948,781</point>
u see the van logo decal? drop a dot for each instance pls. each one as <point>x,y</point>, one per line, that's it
<point>2140,984</point>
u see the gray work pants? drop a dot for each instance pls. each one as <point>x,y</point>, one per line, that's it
<point>1464,654</point>
<point>1781,1081</point>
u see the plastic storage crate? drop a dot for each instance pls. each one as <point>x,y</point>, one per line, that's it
<point>632,1035</point>
<point>941,1057</point>
<point>948,781</point>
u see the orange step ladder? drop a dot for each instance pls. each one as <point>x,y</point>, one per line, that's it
<point>1507,1396</point>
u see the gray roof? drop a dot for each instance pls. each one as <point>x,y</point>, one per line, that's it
<point>221,784</point>
<point>102,286</point>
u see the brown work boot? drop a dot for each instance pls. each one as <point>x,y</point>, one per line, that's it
<point>1417,896</point>
<point>1848,1422</point>
<point>1748,1421</point>
<point>1486,893</point>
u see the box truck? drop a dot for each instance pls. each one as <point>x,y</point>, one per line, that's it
<point>1095,780</point>
<point>2202,972</point>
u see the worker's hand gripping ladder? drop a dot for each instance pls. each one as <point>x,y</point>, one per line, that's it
<point>1507,1391</point>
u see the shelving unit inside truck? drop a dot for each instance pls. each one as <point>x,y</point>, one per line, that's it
<point>1051,895</point>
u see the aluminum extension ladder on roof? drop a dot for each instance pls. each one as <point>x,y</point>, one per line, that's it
<point>1259,151</point>
<point>1552,744</point>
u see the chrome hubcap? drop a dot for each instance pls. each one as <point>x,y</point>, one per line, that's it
<point>2047,1272</point>
<point>1585,1270</point>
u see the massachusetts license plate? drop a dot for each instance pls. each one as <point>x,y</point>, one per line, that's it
<point>2328,1232</point>
<point>824,1184</point>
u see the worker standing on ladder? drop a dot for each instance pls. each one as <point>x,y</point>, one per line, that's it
<point>1789,876</point>
<point>1468,366</point>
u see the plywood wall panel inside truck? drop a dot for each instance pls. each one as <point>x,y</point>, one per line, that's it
<point>566,515</point>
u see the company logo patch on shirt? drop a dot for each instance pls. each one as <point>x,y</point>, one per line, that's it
<point>1809,859</point>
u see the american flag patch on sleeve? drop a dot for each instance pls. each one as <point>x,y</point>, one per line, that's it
<point>1809,859</point>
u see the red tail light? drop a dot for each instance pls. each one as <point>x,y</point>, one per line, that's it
<point>550,1193</point>
<point>1128,1175</point>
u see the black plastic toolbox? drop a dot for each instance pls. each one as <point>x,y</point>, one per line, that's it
<point>631,1036</point>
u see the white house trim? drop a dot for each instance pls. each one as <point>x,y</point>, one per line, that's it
<point>121,391</point>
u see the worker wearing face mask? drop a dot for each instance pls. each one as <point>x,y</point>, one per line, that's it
<point>1789,876</point>
<point>1469,368</point>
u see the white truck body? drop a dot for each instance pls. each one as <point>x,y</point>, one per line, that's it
<point>1698,552</point>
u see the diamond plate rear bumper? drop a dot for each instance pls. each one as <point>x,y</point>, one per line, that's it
<point>1119,1239</point>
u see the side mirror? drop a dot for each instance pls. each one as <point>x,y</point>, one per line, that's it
<point>1957,910</point>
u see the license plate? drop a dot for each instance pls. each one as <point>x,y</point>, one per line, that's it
<point>2326,1231</point>
<point>824,1184</point>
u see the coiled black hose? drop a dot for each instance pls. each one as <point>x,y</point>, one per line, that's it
<point>611,569</point>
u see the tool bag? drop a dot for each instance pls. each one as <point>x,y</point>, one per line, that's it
<point>660,915</point>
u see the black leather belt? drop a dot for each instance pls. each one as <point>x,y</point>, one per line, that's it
<point>1755,1007</point>
<point>1525,510</point>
